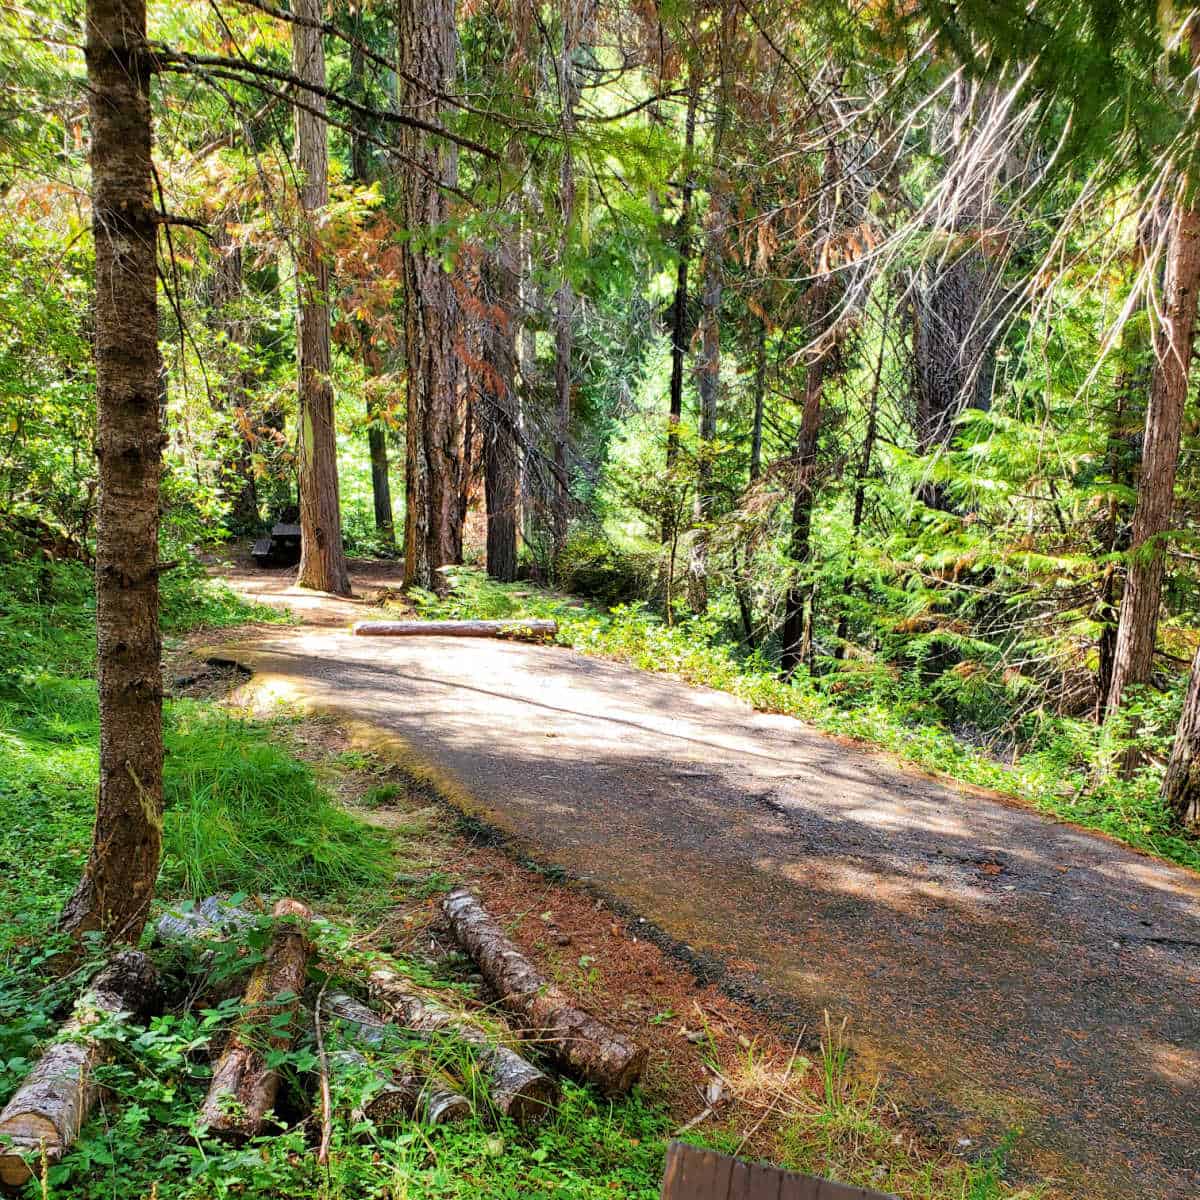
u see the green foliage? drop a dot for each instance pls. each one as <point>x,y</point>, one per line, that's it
<point>592,565</point>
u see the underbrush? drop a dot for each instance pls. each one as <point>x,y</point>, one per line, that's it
<point>1057,773</point>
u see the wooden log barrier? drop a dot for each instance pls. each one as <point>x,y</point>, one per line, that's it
<point>47,1111</point>
<point>243,1087</point>
<point>533,629</point>
<point>518,1089</point>
<point>576,1040</point>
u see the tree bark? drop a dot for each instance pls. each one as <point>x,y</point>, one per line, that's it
<point>708,373</point>
<point>243,1087</point>
<point>862,473</point>
<point>47,1111</point>
<point>708,369</point>
<point>227,292</point>
<point>796,636</point>
<point>1133,658</point>
<point>575,17</point>
<point>394,1094</point>
<point>760,395</point>
<point>117,886</point>
<point>954,326</point>
<point>360,168</point>
<point>577,1040</point>
<point>518,1089</point>
<point>434,438</point>
<point>499,415</point>
<point>680,332</point>
<point>1181,784</point>
<point>322,557</point>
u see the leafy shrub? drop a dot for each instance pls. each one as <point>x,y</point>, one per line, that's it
<point>590,565</point>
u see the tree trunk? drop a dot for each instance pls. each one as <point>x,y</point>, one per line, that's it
<point>117,886</point>
<point>360,168</point>
<point>244,1087</point>
<point>796,636</point>
<point>577,1040</point>
<point>861,475</point>
<point>226,294</point>
<point>708,369</point>
<point>1133,657</point>
<point>499,415</point>
<point>760,395</point>
<point>518,1089</point>
<point>1122,461</point>
<point>47,1111</point>
<point>680,332</point>
<point>954,325</point>
<point>573,22</point>
<point>322,557</point>
<point>708,373</point>
<point>1181,784</point>
<point>434,438</point>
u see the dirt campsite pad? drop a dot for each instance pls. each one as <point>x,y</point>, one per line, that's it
<point>1004,972</point>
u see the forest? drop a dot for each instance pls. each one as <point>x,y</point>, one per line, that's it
<point>834,356</point>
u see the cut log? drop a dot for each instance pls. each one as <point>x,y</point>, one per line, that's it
<point>243,1087</point>
<point>211,918</point>
<point>395,1094</point>
<point>576,1040</point>
<point>214,976</point>
<point>530,630</point>
<point>47,1111</point>
<point>517,1088</point>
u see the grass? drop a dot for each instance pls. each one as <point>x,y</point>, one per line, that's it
<point>1058,776</point>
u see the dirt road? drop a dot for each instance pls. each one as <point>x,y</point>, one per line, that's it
<point>1002,970</point>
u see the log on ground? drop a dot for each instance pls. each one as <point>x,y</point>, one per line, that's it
<point>531,630</point>
<point>46,1112</point>
<point>518,1089</point>
<point>243,1087</point>
<point>197,932</point>
<point>394,1093</point>
<point>575,1039</point>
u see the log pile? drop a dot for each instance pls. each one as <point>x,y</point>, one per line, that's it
<point>517,1089</point>
<point>243,1086</point>
<point>579,1042</point>
<point>411,1057</point>
<point>394,1094</point>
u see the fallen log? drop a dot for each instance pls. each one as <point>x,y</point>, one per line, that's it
<point>243,1087</point>
<point>533,629</point>
<point>47,1111</point>
<point>575,1039</point>
<point>517,1088</point>
<point>394,1093</point>
<point>197,932</point>
<point>211,918</point>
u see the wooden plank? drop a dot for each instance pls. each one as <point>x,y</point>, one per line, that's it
<point>695,1174</point>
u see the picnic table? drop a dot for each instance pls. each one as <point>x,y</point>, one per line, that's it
<point>280,549</point>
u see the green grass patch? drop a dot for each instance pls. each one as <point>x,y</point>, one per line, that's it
<point>1057,774</point>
